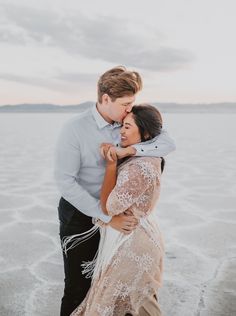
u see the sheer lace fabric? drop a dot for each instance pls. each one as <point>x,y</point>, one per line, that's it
<point>133,273</point>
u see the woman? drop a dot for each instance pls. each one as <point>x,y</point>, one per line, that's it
<point>127,271</point>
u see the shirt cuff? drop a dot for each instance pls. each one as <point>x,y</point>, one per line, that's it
<point>98,222</point>
<point>105,218</point>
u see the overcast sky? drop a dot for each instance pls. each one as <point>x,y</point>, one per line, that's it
<point>53,51</point>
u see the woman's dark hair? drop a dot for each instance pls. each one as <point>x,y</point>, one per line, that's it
<point>149,122</point>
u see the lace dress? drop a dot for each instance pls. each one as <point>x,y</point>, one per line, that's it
<point>128,269</point>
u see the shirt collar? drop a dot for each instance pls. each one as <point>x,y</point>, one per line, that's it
<point>101,122</point>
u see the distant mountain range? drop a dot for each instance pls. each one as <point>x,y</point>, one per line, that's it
<point>164,107</point>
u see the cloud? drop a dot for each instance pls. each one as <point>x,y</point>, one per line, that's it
<point>49,84</point>
<point>77,77</point>
<point>63,82</point>
<point>104,38</point>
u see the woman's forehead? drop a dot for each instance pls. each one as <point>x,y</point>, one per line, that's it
<point>129,118</point>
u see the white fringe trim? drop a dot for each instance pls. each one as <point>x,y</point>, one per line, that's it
<point>110,242</point>
<point>72,241</point>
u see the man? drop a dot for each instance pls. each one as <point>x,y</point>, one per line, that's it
<point>80,169</point>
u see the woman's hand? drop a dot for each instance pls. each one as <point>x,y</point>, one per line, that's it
<point>111,156</point>
<point>104,147</point>
<point>108,151</point>
<point>120,152</point>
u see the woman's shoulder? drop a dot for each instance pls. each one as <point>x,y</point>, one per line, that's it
<point>153,162</point>
<point>144,165</point>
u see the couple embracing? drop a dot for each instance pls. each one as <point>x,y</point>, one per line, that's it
<point>109,161</point>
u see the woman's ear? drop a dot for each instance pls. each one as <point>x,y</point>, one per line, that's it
<point>146,136</point>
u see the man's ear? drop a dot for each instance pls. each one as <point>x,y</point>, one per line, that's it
<point>105,98</point>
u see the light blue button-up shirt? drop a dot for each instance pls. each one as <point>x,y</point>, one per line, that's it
<point>79,166</point>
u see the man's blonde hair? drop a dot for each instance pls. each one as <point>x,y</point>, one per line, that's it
<point>119,82</point>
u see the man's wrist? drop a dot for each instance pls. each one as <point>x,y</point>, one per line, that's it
<point>132,151</point>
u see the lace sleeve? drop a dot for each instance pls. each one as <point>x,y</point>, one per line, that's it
<point>131,183</point>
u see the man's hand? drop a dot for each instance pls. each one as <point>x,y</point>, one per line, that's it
<point>125,152</point>
<point>124,223</point>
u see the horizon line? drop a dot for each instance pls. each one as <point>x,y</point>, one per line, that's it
<point>159,102</point>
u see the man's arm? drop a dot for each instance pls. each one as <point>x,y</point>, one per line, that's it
<point>159,146</point>
<point>67,166</point>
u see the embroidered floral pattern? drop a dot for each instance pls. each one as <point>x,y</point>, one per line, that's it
<point>134,273</point>
<point>122,180</point>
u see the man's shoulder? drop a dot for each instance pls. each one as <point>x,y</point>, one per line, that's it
<point>79,120</point>
<point>80,117</point>
<point>76,126</point>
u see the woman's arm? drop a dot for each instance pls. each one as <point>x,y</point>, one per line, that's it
<point>133,180</point>
<point>124,223</point>
<point>110,176</point>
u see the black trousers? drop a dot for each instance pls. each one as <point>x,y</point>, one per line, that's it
<point>72,221</point>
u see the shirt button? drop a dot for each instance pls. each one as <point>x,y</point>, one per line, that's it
<point>156,147</point>
<point>141,149</point>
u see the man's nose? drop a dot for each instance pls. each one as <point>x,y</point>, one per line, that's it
<point>129,108</point>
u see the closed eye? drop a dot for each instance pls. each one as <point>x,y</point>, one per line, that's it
<point>127,104</point>
<point>127,124</point>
